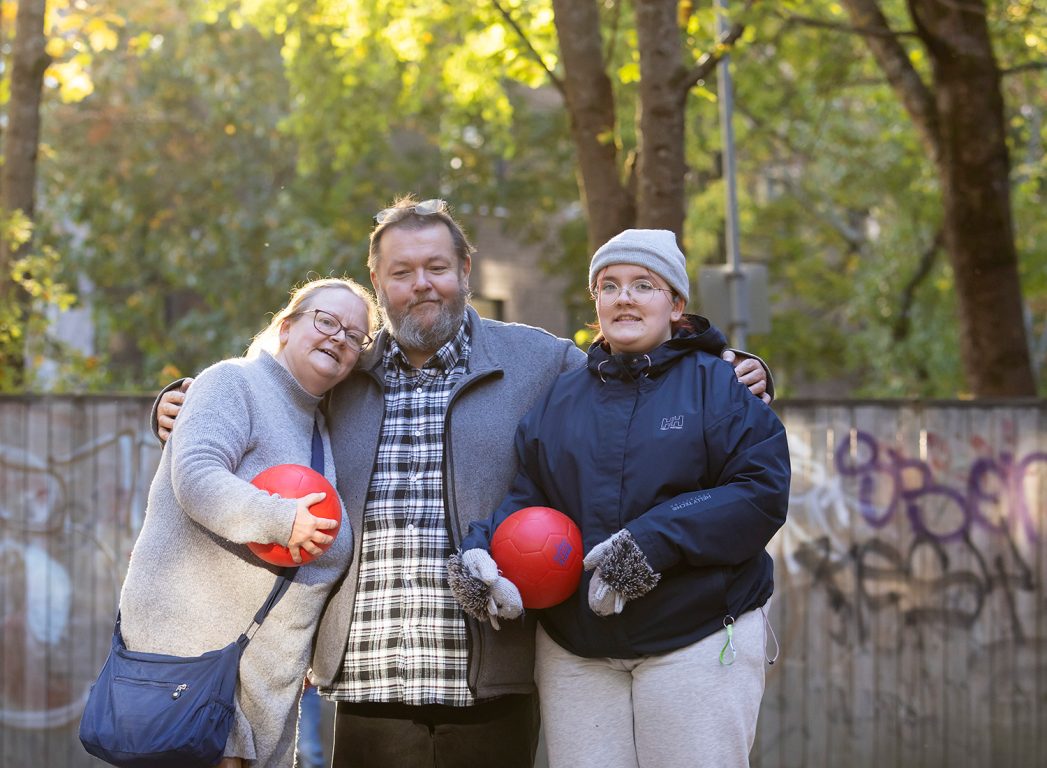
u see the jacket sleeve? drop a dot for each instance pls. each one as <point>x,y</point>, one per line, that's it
<point>524,490</point>
<point>744,492</point>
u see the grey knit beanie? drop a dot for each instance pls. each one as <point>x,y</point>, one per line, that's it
<point>655,249</point>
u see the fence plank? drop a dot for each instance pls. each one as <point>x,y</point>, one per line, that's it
<point>910,599</point>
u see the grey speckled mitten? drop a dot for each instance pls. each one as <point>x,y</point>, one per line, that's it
<point>480,589</point>
<point>622,573</point>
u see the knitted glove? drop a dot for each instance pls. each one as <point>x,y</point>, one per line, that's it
<point>482,592</point>
<point>622,573</point>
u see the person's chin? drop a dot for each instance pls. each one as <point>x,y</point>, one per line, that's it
<point>630,338</point>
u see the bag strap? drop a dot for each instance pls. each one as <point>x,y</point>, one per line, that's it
<point>286,575</point>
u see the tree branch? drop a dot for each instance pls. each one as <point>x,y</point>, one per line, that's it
<point>893,60</point>
<point>531,49</point>
<point>1026,67</point>
<point>900,329</point>
<point>708,61</point>
<point>796,19</point>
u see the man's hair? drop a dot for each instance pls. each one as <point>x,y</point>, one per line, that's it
<point>462,247</point>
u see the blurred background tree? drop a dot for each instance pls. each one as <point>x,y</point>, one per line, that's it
<point>198,158</point>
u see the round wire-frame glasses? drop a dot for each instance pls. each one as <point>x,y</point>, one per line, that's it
<point>329,325</point>
<point>640,291</point>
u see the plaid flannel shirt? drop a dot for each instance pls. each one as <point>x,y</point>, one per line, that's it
<point>407,641</point>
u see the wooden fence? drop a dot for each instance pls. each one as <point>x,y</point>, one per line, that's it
<point>909,601</point>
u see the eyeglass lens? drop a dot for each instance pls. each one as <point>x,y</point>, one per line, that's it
<point>328,324</point>
<point>424,208</point>
<point>641,292</point>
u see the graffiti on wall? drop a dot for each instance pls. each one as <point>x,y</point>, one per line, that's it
<point>935,540</point>
<point>65,524</point>
<point>910,583</point>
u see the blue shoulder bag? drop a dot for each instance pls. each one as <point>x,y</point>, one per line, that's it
<point>151,710</point>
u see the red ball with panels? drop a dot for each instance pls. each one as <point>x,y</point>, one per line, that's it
<point>539,549</point>
<point>293,481</point>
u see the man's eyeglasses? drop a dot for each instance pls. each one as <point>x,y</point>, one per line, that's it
<point>328,325</point>
<point>641,292</point>
<point>424,208</point>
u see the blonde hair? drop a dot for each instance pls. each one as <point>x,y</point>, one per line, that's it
<point>268,339</point>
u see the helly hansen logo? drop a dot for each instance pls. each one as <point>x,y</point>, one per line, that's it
<point>672,422</point>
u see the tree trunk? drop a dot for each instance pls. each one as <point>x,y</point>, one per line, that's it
<point>662,166</point>
<point>961,122</point>
<point>29,61</point>
<point>590,104</point>
<point>975,179</point>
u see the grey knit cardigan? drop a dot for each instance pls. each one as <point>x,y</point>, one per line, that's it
<point>193,585</point>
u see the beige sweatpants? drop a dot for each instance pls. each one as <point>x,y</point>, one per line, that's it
<point>682,708</point>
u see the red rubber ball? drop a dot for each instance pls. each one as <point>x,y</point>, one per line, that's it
<point>293,481</point>
<point>539,549</point>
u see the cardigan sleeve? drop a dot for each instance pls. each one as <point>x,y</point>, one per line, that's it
<point>212,436</point>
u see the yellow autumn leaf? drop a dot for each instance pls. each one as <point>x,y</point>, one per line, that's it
<point>74,84</point>
<point>140,42</point>
<point>55,47</point>
<point>103,38</point>
<point>704,93</point>
<point>77,88</point>
<point>629,72</point>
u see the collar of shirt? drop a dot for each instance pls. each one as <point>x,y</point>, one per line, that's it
<point>444,359</point>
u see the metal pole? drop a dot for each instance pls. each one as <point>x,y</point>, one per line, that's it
<point>736,288</point>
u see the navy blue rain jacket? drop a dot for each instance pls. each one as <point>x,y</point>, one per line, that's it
<point>673,447</point>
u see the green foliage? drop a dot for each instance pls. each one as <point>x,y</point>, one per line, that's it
<point>228,148</point>
<point>178,197</point>
<point>32,285</point>
<point>838,197</point>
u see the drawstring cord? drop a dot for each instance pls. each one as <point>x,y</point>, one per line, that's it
<point>727,659</point>
<point>777,647</point>
<point>729,653</point>
<point>643,371</point>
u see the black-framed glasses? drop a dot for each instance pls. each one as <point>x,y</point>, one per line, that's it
<point>329,325</point>
<point>424,208</point>
<point>640,291</point>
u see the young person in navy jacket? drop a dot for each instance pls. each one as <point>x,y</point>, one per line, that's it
<point>678,477</point>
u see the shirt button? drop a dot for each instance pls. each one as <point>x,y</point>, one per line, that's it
<point>408,576</point>
<point>410,527</point>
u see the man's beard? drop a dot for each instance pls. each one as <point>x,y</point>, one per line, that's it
<point>413,332</point>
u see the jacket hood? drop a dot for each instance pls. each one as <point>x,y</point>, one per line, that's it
<point>628,366</point>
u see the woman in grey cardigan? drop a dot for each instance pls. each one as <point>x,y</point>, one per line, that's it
<point>193,585</point>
